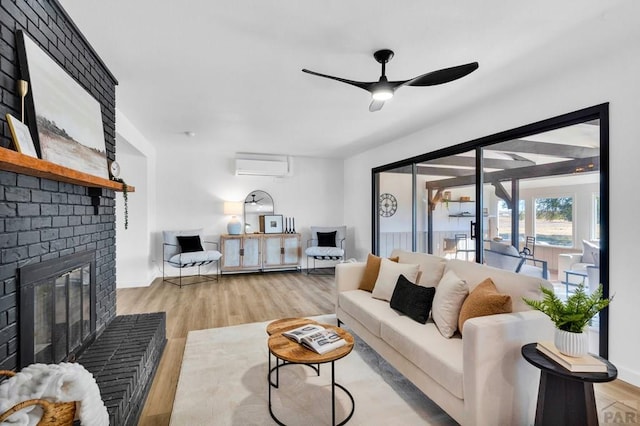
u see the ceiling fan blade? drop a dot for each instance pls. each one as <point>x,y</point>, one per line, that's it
<point>375,105</point>
<point>360,84</point>
<point>443,76</point>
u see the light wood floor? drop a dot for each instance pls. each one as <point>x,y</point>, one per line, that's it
<point>245,298</point>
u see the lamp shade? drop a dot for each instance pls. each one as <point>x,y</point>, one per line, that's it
<point>232,207</point>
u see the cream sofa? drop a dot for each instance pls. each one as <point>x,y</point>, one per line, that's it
<point>480,379</point>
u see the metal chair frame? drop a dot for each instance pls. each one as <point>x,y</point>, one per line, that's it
<point>310,244</point>
<point>180,267</point>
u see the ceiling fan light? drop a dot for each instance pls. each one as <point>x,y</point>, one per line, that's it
<point>382,94</point>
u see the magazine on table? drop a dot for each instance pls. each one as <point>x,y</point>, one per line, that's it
<point>316,337</point>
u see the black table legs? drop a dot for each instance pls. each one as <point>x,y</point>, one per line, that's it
<point>565,402</point>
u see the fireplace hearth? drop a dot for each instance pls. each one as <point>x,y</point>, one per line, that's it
<point>57,308</point>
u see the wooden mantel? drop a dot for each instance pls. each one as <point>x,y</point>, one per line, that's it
<point>14,161</point>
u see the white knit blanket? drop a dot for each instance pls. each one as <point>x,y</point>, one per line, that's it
<point>64,382</point>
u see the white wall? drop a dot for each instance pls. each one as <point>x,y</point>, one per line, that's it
<point>193,184</point>
<point>603,74</point>
<point>136,157</point>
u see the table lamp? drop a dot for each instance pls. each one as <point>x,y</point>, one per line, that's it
<point>233,208</point>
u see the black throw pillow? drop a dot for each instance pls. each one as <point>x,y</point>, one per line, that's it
<point>327,239</point>
<point>412,300</point>
<point>190,244</point>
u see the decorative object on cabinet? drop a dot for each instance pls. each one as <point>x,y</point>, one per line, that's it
<point>290,225</point>
<point>66,121</point>
<point>185,249</point>
<point>257,203</point>
<point>233,208</point>
<point>273,224</point>
<point>260,252</point>
<point>387,205</point>
<point>325,246</point>
<point>21,137</point>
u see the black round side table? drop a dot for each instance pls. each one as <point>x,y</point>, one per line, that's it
<point>564,397</point>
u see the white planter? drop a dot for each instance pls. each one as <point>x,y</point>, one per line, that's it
<point>572,344</point>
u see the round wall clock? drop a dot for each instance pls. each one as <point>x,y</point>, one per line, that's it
<point>114,169</point>
<point>387,205</point>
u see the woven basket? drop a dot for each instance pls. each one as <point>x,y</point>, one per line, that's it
<point>55,413</point>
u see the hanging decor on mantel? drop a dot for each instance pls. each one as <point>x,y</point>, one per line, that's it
<point>64,119</point>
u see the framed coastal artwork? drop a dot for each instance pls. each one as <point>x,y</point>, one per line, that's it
<point>65,120</point>
<point>21,137</point>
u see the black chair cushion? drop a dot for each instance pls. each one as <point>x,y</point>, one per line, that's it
<point>189,243</point>
<point>327,239</point>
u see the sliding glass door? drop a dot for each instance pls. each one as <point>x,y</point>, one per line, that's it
<point>531,199</point>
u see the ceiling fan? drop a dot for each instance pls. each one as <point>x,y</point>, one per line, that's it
<point>383,89</point>
<point>253,200</point>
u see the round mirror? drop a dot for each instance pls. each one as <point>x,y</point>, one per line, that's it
<point>257,203</point>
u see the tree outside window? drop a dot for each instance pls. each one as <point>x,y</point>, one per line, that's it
<point>554,221</point>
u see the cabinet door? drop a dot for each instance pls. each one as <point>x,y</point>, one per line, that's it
<point>272,251</point>
<point>291,246</point>
<point>231,252</point>
<point>251,250</point>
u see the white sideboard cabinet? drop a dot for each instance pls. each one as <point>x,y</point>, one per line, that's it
<point>259,252</point>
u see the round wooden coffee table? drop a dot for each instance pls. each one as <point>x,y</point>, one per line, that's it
<point>287,352</point>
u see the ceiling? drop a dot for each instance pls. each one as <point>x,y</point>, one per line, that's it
<point>231,71</point>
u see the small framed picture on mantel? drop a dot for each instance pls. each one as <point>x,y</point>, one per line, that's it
<point>273,224</point>
<point>21,137</point>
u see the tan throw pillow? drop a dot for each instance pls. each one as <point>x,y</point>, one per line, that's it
<point>388,277</point>
<point>450,294</point>
<point>371,272</point>
<point>484,300</point>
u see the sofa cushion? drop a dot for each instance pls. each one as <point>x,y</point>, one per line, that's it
<point>484,300</point>
<point>424,346</point>
<point>447,302</point>
<point>371,272</point>
<point>412,300</point>
<point>432,267</point>
<point>503,256</point>
<point>515,285</point>
<point>365,309</point>
<point>590,253</point>
<point>388,277</point>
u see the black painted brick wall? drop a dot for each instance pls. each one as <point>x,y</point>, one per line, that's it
<point>42,219</point>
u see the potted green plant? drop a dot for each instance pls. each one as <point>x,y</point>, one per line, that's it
<point>570,317</point>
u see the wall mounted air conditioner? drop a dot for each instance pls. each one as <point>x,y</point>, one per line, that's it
<point>260,167</point>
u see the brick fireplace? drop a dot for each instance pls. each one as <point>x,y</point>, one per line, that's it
<point>42,219</point>
<point>47,224</point>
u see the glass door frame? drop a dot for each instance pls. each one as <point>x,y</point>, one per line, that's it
<point>598,112</point>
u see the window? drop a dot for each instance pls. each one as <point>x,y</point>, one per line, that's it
<point>554,221</point>
<point>595,219</point>
<point>504,220</point>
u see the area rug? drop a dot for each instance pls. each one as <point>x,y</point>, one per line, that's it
<point>223,381</point>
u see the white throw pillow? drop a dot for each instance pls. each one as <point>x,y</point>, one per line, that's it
<point>447,302</point>
<point>388,277</point>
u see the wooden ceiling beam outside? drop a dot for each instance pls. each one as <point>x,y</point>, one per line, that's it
<point>568,167</point>
<point>545,148</point>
